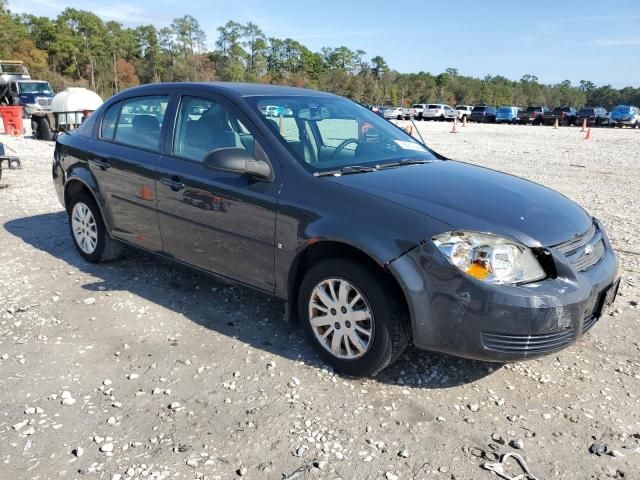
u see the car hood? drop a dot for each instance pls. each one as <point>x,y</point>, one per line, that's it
<point>31,97</point>
<point>469,197</point>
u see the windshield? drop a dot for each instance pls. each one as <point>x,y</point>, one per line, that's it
<point>505,110</point>
<point>586,111</point>
<point>35,87</point>
<point>622,109</point>
<point>325,133</point>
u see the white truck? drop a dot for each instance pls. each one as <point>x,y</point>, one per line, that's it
<point>18,88</point>
<point>463,111</point>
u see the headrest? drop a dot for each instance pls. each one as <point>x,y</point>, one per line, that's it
<point>145,122</point>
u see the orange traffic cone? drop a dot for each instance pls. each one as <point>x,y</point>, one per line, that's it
<point>455,122</point>
<point>555,125</point>
<point>584,125</point>
<point>588,136</point>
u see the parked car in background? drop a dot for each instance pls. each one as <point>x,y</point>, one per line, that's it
<point>483,114</point>
<point>507,115</point>
<point>377,243</point>
<point>407,113</point>
<point>532,115</point>
<point>564,115</point>
<point>418,108</point>
<point>625,115</point>
<point>595,116</point>
<point>463,111</point>
<point>438,111</point>
<point>273,111</point>
<point>393,113</point>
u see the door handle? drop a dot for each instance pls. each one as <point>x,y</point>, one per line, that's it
<point>99,162</point>
<point>174,182</point>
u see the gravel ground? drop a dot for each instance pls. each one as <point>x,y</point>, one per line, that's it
<point>140,369</point>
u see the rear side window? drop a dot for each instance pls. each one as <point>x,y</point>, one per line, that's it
<point>136,122</point>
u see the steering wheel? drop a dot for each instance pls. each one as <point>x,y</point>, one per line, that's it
<point>340,147</point>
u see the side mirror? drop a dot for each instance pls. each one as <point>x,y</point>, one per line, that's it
<point>239,161</point>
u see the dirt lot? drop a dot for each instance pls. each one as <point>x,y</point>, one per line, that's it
<point>139,369</point>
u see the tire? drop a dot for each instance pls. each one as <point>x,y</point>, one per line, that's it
<point>105,248</point>
<point>34,129</point>
<point>387,321</point>
<point>44,129</point>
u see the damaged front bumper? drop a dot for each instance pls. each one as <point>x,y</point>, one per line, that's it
<point>454,313</point>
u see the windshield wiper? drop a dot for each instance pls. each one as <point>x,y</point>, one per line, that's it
<point>403,162</point>
<point>349,169</point>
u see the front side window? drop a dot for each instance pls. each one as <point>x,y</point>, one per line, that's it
<point>325,133</point>
<point>204,125</point>
<point>136,122</point>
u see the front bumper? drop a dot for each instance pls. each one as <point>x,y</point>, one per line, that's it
<point>456,314</point>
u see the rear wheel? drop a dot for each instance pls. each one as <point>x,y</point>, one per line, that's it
<point>88,231</point>
<point>352,317</point>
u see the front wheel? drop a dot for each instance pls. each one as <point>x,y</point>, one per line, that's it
<point>88,231</point>
<point>352,317</point>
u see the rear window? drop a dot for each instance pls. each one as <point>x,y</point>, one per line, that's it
<point>479,109</point>
<point>86,128</point>
<point>586,111</point>
<point>417,105</point>
<point>534,109</point>
<point>434,106</point>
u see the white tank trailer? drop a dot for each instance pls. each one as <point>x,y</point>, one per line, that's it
<point>69,108</point>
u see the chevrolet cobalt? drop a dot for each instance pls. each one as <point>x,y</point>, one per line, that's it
<point>371,238</point>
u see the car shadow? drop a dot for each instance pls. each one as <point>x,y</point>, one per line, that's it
<point>224,308</point>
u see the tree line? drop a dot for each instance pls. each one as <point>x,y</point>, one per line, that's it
<point>79,48</point>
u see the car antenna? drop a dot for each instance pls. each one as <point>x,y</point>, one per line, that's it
<point>415,127</point>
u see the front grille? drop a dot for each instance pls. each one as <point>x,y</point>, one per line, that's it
<point>528,344</point>
<point>44,102</point>
<point>585,250</point>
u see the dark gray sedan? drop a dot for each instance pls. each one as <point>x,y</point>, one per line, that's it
<point>372,239</point>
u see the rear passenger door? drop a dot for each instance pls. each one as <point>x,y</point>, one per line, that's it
<point>218,221</point>
<point>124,161</point>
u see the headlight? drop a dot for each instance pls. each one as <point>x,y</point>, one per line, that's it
<point>490,258</point>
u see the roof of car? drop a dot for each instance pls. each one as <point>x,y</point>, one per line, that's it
<point>241,89</point>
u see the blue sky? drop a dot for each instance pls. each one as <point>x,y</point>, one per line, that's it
<point>555,40</point>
